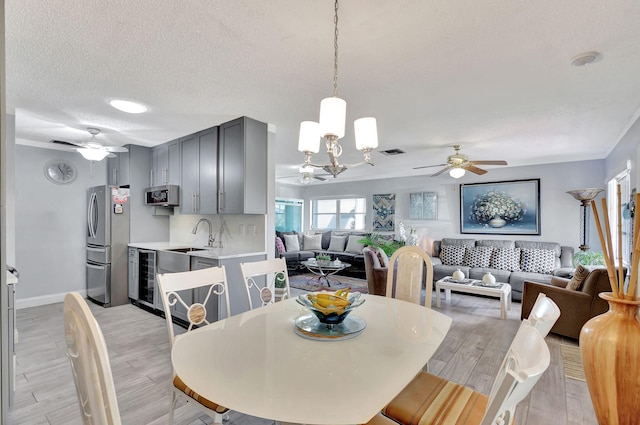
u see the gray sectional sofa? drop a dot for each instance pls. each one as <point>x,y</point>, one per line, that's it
<point>341,245</point>
<point>512,262</point>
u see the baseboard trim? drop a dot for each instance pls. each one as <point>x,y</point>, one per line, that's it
<point>44,300</point>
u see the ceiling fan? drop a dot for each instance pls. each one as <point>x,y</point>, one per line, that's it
<point>306,175</point>
<point>93,150</point>
<point>457,164</point>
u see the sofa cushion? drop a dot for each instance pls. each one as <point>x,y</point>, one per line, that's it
<point>291,242</point>
<point>477,256</point>
<point>337,243</point>
<point>312,242</point>
<point>496,243</point>
<point>326,239</point>
<point>353,246</point>
<point>463,242</point>
<point>579,276</point>
<point>538,260</point>
<point>280,246</point>
<point>505,259</point>
<point>452,255</point>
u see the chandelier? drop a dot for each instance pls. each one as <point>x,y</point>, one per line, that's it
<point>331,126</point>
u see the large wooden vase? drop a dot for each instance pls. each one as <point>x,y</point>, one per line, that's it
<point>610,347</point>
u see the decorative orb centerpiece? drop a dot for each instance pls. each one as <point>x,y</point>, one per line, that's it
<point>331,308</point>
<point>458,275</point>
<point>489,279</point>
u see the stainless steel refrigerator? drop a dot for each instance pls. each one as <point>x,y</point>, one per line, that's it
<point>107,242</point>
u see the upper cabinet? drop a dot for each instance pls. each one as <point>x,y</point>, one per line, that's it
<point>198,186</point>
<point>118,169</point>
<point>166,164</point>
<point>242,174</point>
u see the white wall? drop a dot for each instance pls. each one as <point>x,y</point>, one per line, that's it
<point>628,149</point>
<point>559,211</point>
<point>50,222</point>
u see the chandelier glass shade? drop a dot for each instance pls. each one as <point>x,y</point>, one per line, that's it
<point>331,126</point>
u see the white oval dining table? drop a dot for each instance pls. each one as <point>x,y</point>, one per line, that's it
<point>255,363</point>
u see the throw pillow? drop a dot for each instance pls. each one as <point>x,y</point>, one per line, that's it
<point>291,242</point>
<point>579,276</point>
<point>337,243</point>
<point>280,246</point>
<point>478,256</point>
<point>505,259</point>
<point>452,255</point>
<point>353,246</point>
<point>538,260</point>
<point>312,242</point>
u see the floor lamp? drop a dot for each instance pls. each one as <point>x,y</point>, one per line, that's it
<point>584,196</point>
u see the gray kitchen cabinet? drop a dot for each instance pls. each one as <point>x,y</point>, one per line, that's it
<point>118,169</point>
<point>172,262</point>
<point>133,274</point>
<point>237,290</point>
<point>242,173</point>
<point>199,167</point>
<point>165,160</point>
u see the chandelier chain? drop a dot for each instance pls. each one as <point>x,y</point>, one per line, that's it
<point>335,51</point>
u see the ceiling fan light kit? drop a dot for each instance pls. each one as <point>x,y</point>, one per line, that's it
<point>332,124</point>
<point>456,173</point>
<point>93,154</point>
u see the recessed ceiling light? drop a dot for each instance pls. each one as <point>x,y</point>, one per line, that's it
<point>586,58</point>
<point>128,106</point>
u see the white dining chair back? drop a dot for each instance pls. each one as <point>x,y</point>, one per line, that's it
<point>430,399</point>
<point>262,277</point>
<point>211,282</point>
<point>87,353</point>
<point>204,286</point>
<point>526,360</point>
<point>544,314</point>
<point>410,270</point>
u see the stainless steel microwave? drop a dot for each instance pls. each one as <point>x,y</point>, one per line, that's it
<point>163,196</point>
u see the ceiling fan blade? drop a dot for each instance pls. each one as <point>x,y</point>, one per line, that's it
<point>489,162</point>
<point>319,178</point>
<point>442,171</point>
<point>115,149</point>
<point>62,142</point>
<point>474,169</point>
<point>428,166</point>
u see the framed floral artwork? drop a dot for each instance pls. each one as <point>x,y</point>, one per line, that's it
<point>501,208</point>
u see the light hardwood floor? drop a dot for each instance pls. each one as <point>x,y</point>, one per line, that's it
<point>138,345</point>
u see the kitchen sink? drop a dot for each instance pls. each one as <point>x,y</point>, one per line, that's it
<point>185,250</point>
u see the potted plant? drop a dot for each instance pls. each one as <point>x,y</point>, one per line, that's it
<point>280,284</point>
<point>588,258</point>
<point>389,246</point>
<point>323,259</point>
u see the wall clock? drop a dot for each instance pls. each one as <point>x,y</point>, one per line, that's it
<point>59,171</point>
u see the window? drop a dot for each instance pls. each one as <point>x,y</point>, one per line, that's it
<point>289,215</point>
<point>342,214</point>
<point>622,179</point>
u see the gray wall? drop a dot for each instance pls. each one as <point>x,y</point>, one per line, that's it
<point>50,224</point>
<point>560,212</point>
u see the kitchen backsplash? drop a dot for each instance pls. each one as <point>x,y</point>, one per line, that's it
<point>239,232</point>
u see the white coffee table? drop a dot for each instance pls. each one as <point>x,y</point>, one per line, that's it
<point>474,286</point>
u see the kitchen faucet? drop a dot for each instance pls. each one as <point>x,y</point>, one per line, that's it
<point>211,237</point>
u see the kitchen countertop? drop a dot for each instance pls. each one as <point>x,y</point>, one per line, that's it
<point>214,253</point>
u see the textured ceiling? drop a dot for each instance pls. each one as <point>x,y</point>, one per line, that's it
<point>494,76</point>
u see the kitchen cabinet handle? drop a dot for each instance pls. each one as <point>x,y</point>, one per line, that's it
<point>193,202</point>
<point>151,177</point>
<point>91,266</point>
<point>197,202</point>
<point>221,201</point>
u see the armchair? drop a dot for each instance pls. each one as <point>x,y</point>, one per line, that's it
<point>375,265</point>
<point>576,307</point>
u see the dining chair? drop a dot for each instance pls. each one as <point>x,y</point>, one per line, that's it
<point>544,314</point>
<point>87,352</point>
<point>409,268</point>
<point>431,400</point>
<point>194,291</point>
<point>263,278</point>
